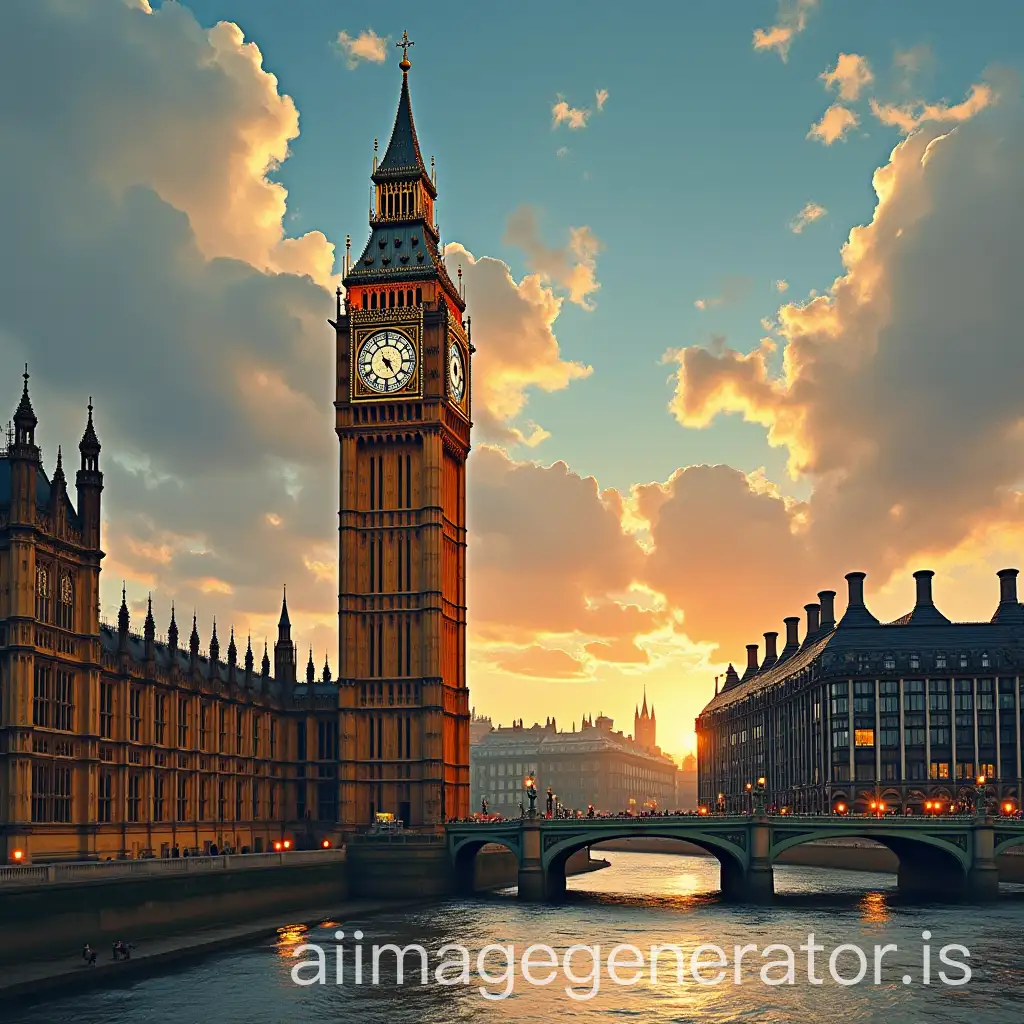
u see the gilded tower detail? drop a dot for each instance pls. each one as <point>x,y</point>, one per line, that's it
<point>403,423</point>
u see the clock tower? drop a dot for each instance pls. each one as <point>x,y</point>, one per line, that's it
<point>403,422</point>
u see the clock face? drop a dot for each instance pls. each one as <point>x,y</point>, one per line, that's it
<point>456,372</point>
<point>387,362</point>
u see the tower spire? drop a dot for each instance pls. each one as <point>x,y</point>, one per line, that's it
<point>405,42</point>
<point>25,421</point>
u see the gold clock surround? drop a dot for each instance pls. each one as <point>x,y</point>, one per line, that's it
<point>363,325</point>
<point>458,338</point>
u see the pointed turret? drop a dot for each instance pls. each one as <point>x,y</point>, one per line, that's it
<point>284,650</point>
<point>23,456</point>
<point>193,646</point>
<point>248,658</point>
<point>123,620</point>
<point>310,669</point>
<point>404,247</point>
<point>172,636</point>
<point>25,421</point>
<point>731,678</point>
<point>214,648</point>
<point>402,159</point>
<point>265,667</point>
<point>59,480</point>
<point>284,624</point>
<point>89,481</point>
<point>232,658</point>
<point>149,631</point>
<point>327,668</point>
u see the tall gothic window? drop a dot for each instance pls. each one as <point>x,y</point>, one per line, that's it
<point>66,604</point>
<point>53,702</point>
<point>51,792</point>
<point>43,594</point>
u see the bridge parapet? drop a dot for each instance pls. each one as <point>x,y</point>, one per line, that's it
<point>952,856</point>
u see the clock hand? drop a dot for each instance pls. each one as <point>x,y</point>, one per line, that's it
<point>386,362</point>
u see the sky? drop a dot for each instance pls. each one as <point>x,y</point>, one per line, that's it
<point>745,287</point>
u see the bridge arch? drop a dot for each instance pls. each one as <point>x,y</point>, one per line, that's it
<point>463,851</point>
<point>927,863</point>
<point>1004,843</point>
<point>731,855</point>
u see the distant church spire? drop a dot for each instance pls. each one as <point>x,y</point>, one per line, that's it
<point>310,668</point>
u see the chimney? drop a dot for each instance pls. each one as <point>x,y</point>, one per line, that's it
<point>770,654</point>
<point>827,600</point>
<point>792,623</point>
<point>857,613</point>
<point>925,613</point>
<point>1009,609</point>
<point>924,587</point>
<point>813,611</point>
<point>752,660</point>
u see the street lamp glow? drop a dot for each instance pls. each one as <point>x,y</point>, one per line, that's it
<point>18,856</point>
<point>761,781</point>
<point>981,780</point>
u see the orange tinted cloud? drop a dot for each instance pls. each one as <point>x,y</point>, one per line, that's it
<point>791,21</point>
<point>851,75</point>
<point>834,125</point>
<point>909,116</point>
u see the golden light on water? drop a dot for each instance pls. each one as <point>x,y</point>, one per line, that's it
<point>874,908</point>
<point>289,936</point>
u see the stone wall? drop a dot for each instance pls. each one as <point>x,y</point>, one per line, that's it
<point>40,922</point>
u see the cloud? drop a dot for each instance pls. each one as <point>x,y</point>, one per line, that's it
<point>733,288</point>
<point>513,329</point>
<point>140,179</point>
<point>367,46</point>
<point>562,151</point>
<point>791,21</point>
<point>575,117</point>
<point>807,215</point>
<point>851,75</point>
<point>572,267</point>
<point>834,125</point>
<point>781,285</point>
<point>909,116</point>
<point>896,400</point>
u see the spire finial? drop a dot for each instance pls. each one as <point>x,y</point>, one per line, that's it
<point>25,375</point>
<point>405,42</point>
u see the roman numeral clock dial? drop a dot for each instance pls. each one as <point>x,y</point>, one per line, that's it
<point>387,362</point>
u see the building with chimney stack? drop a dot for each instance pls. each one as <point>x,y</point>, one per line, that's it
<point>906,714</point>
<point>116,743</point>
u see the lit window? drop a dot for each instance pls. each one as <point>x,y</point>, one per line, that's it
<point>984,660</point>
<point>890,662</point>
<point>963,661</point>
<point>915,661</point>
<point>940,660</point>
<point>864,737</point>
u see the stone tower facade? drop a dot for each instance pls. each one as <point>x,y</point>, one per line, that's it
<point>404,389</point>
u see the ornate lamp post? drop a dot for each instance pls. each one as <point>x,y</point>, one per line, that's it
<point>758,796</point>
<point>750,798</point>
<point>531,792</point>
<point>981,792</point>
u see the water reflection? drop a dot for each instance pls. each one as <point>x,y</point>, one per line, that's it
<point>642,900</point>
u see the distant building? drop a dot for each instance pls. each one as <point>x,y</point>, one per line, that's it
<point>906,713</point>
<point>594,765</point>
<point>686,784</point>
<point>479,727</point>
<point>645,727</point>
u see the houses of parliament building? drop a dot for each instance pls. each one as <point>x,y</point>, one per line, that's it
<point>114,744</point>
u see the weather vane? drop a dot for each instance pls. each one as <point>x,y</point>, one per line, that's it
<point>405,42</point>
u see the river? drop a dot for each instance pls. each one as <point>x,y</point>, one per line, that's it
<point>642,900</point>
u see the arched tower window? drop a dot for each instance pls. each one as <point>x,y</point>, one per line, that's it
<point>66,604</point>
<point>43,594</point>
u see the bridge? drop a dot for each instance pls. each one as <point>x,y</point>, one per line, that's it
<point>939,857</point>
